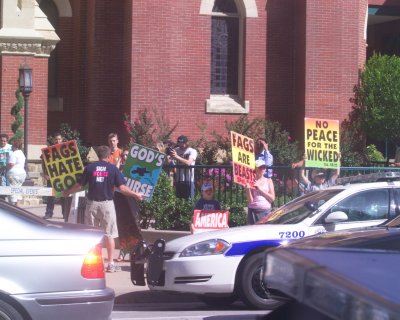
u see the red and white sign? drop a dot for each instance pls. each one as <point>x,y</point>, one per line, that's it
<point>207,220</point>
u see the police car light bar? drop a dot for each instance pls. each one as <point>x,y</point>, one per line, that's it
<point>370,177</point>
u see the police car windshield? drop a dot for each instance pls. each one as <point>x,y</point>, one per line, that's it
<point>299,208</point>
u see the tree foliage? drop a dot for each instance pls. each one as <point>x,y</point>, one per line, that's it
<point>70,134</point>
<point>149,128</point>
<point>281,145</point>
<point>284,149</point>
<point>16,113</point>
<point>378,98</point>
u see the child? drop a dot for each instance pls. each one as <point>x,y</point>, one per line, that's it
<point>207,201</point>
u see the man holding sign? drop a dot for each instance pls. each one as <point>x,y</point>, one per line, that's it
<point>62,167</point>
<point>322,143</point>
<point>322,151</point>
<point>101,178</point>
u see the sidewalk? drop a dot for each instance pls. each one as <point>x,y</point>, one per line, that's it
<point>125,291</point>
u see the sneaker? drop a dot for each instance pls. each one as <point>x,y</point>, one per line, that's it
<point>113,268</point>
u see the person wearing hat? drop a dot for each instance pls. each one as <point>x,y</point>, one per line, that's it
<point>319,180</point>
<point>207,201</point>
<point>183,155</point>
<point>260,195</point>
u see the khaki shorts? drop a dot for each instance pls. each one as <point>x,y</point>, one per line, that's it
<point>101,214</point>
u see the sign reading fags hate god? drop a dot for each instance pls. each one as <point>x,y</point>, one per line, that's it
<point>63,164</point>
<point>243,159</point>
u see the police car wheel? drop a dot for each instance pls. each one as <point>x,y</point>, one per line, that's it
<point>218,301</point>
<point>251,289</point>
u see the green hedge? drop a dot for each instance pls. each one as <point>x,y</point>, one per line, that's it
<point>167,212</point>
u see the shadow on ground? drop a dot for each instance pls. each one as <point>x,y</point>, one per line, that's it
<point>156,297</point>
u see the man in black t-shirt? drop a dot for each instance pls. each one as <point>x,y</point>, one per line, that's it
<point>101,178</point>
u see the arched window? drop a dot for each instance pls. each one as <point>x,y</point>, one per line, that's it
<point>225,48</point>
<point>228,19</point>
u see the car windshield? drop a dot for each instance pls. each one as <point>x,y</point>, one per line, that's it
<point>299,208</point>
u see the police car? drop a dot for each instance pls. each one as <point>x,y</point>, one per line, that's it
<point>223,266</point>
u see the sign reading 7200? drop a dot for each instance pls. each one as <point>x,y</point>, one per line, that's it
<point>292,234</point>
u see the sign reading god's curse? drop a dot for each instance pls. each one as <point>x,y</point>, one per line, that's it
<point>63,164</point>
<point>243,159</point>
<point>207,220</point>
<point>142,170</point>
<point>322,143</point>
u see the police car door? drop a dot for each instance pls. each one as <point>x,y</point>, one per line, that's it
<point>363,209</point>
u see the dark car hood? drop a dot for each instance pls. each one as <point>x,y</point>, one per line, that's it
<point>375,238</point>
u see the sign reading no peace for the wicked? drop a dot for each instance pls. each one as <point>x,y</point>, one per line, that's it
<point>322,143</point>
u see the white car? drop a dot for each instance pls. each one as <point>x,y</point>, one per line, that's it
<point>51,270</point>
<point>221,266</point>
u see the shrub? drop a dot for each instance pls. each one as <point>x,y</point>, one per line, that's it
<point>352,141</point>
<point>165,210</point>
<point>377,98</point>
<point>149,128</point>
<point>245,126</point>
<point>69,134</point>
<point>16,113</point>
<point>373,154</point>
<point>284,150</point>
<point>237,213</point>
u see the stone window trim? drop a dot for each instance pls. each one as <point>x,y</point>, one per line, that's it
<point>248,7</point>
<point>228,104</point>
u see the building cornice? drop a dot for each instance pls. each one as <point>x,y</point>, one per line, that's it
<point>30,33</point>
<point>26,47</point>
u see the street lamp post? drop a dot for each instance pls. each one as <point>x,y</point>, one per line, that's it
<point>25,86</point>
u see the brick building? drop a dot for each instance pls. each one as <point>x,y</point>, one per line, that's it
<point>197,62</point>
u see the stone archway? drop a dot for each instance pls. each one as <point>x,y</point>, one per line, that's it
<point>250,7</point>
<point>63,7</point>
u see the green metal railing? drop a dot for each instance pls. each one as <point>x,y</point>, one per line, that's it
<point>285,181</point>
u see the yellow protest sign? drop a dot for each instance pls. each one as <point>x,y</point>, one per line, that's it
<point>63,164</point>
<point>322,143</point>
<point>243,159</point>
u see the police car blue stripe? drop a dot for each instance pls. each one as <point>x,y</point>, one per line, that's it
<point>241,248</point>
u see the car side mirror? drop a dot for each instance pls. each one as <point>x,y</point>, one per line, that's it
<point>311,205</point>
<point>337,216</point>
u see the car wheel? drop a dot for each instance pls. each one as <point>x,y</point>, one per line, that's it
<point>218,301</point>
<point>8,312</point>
<point>251,288</point>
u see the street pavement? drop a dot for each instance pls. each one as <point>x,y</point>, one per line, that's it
<point>125,291</point>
